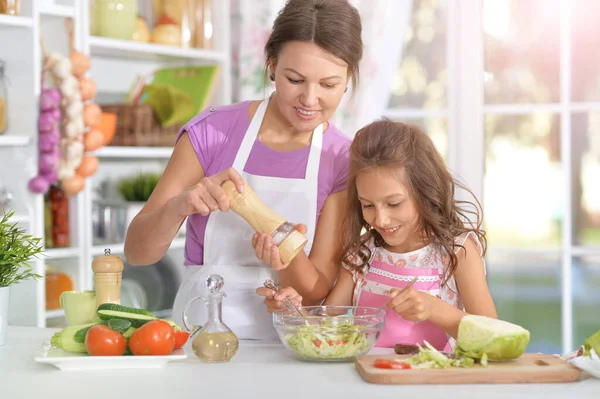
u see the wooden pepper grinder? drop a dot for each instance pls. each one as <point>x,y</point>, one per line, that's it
<point>264,220</point>
<point>108,273</point>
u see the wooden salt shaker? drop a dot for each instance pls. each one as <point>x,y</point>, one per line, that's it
<point>264,220</point>
<point>108,273</point>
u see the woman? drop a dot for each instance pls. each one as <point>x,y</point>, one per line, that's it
<point>286,150</point>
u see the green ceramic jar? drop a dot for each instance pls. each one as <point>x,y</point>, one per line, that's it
<point>115,18</point>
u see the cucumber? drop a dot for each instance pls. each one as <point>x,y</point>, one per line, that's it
<point>120,325</point>
<point>173,324</point>
<point>80,334</point>
<point>137,317</point>
<point>126,309</point>
<point>127,334</point>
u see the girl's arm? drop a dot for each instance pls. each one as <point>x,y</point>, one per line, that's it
<point>313,276</point>
<point>474,292</point>
<point>341,294</point>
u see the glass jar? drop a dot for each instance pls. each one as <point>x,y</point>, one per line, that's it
<point>56,283</point>
<point>183,23</point>
<point>10,7</point>
<point>3,99</point>
<point>60,217</point>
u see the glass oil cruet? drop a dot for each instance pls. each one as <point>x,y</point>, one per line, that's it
<point>214,342</point>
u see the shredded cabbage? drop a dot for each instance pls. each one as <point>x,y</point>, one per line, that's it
<point>330,340</point>
<point>429,357</point>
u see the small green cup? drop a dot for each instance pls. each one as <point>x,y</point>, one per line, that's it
<point>79,306</point>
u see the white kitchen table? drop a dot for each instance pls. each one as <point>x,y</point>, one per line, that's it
<point>258,370</point>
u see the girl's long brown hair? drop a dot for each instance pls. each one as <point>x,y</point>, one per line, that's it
<point>396,145</point>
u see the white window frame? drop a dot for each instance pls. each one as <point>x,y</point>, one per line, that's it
<point>466,139</point>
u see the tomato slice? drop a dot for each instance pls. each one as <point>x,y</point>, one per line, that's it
<point>391,364</point>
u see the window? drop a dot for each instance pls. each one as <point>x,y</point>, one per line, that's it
<point>419,91</point>
<point>510,92</point>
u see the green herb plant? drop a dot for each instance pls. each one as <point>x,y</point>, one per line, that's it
<point>139,187</point>
<point>16,249</point>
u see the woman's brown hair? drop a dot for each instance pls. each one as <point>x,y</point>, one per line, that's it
<point>389,144</point>
<point>333,25</point>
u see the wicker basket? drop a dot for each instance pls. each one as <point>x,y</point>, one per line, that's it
<point>137,125</point>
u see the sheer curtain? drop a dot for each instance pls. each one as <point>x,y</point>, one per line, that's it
<point>384,26</point>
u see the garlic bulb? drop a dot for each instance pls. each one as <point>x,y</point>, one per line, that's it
<point>73,110</point>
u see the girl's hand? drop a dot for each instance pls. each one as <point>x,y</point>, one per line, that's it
<point>268,252</point>
<point>274,300</point>
<point>207,196</point>
<point>411,304</point>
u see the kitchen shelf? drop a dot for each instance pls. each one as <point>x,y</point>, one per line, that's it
<point>62,253</point>
<point>178,243</point>
<point>55,313</point>
<point>115,65</point>
<point>57,10</point>
<point>116,48</point>
<point>18,21</point>
<point>116,152</point>
<point>14,141</point>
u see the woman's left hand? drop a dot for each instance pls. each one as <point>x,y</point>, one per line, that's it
<point>267,251</point>
<point>411,304</point>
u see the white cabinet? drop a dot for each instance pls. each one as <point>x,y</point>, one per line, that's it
<point>114,66</point>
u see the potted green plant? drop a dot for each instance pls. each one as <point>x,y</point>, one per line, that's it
<point>17,248</point>
<point>136,190</point>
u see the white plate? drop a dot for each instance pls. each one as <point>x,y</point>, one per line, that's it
<point>79,361</point>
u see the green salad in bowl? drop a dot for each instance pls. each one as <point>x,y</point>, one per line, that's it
<point>329,333</point>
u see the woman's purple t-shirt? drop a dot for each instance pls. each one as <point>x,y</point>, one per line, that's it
<point>216,135</point>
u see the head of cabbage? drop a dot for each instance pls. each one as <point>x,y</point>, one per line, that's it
<point>485,338</point>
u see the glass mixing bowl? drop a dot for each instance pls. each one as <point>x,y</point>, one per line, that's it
<point>329,333</point>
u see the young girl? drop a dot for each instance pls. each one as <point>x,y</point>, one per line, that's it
<point>401,193</point>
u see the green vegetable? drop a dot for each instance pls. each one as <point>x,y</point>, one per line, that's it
<point>65,339</point>
<point>592,342</point>
<point>121,308</point>
<point>80,335</point>
<point>429,357</point>
<point>485,338</point>
<point>329,340</point>
<point>120,325</point>
<point>173,324</point>
<point>137,317</point>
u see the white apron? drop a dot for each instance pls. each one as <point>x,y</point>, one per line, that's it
<point>228,244</point>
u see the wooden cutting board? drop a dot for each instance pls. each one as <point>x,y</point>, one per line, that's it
<point>529,368</point>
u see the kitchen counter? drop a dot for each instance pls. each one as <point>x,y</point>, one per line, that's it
<point>260,370</point>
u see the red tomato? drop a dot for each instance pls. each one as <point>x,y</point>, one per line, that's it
<point>154,338</point>
<point>391,364</point>
<point>181,338</point>
<point>101,340</point>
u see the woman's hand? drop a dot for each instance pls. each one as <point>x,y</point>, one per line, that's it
<point>411,304</point>
<point>267,251</point>
<point>274,300</point>
<point>207,196</point>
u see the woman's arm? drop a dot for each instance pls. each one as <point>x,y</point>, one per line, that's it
<point>151,232</point>
<point>313,276</point>
<point>474,292</point>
